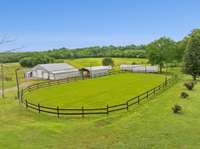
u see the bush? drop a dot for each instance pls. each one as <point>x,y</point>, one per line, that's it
<point>107,61</point>
<point>33,61</point>
<point>176,108</point>
<point>134,63</point>
<point>184,95</point>
<point>189,85</point>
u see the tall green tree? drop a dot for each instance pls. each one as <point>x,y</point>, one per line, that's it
<point>107,61</point>
<point>181,47</point>
<point>192,55</point>
<point>161,51</point>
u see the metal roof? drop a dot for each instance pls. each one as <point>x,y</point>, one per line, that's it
<point>98,68</point>
<point>55,67</point>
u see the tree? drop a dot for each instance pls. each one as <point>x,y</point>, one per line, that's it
<point>32,61</point>
<point>107,61</point>
<point>181,47</point>
<point>161,51</point>
<point>192,55</point>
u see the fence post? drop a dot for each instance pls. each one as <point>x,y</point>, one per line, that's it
<point>107,109</point>
<point>147,94</point>
<point>22,93</point>
<point>163,84</point>
<point>26,103</point>
<point>127,105</point>
<point>58,111</point>
<point>82,111</point>
<point>39,108</point>
<point>154,91</point>
<point>138,99</point>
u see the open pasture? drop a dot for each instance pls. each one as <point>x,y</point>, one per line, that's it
<point>98,92</point>
<point>9,68</point>
<point>9,75</point>
<point>150,125</point>
<point>85,62</point>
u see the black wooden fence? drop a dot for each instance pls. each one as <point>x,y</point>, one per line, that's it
<point>85,111</point>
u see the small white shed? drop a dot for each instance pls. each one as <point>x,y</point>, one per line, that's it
<point>139,68</point>
<point>54,71</point>
<point>96,71</point>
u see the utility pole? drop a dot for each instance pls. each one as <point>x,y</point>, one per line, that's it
<point>2,81</point>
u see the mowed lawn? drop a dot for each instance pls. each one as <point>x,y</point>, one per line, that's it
<point>98,92</point>
<point>148,125</point>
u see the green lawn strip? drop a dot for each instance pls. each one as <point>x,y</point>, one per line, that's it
<point>150,125</point>
<point>98,92</point>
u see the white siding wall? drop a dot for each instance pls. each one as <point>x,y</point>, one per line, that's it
<point>45,75</point>
<point>51,77</point>
<point>60,72</point>
<point>97,73</point>
<point>66,75</point>
<point>39,73</point>
<point>34,73</point>
<point>139,68</point>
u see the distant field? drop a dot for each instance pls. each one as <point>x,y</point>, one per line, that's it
<point>9,75</point>
<point>83,62</point>
<point>99,92</point>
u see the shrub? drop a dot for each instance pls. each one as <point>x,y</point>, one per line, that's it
<point>184,95</point>
<point>177,108</point>
<point>107,61</point>
<point>8,78</point>
<point>189,85</point>
<point>134,63</point>
<point>32,61</point>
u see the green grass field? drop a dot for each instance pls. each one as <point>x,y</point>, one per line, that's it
<point>149,125</point>
<point>9,74</point>
<point>98,92</point>
<point>84,62</point>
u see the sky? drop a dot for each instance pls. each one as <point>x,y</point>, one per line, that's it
<point>48,24</point>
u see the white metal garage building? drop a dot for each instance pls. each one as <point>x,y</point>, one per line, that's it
<point>96,71</point>
<point>54,71</point>
<point>139,68</point>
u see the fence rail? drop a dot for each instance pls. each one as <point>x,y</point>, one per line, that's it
<point>89,111</point>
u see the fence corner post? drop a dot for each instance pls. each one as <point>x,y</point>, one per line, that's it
<point>127,105</point>
<point>138,99</point>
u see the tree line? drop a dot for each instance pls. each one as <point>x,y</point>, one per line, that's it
<point>160,52</point>
<point>151,51</point>
<point>64,53</point>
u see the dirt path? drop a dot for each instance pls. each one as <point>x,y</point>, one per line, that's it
<point>25,84</point>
